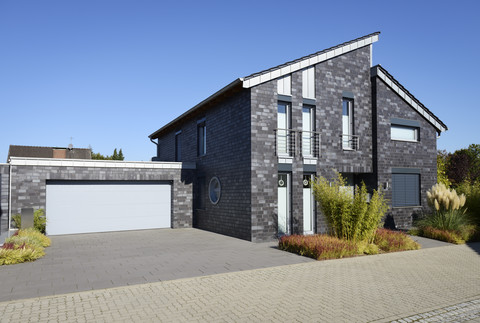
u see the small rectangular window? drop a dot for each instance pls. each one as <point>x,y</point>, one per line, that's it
<point>178,146</point>
<point>284,85</point>
<point>405,133</point>
<point>201,138</point>
<point>308,83</point>
<point>405,190</point>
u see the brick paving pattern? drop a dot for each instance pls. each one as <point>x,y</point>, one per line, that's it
<point>380,288</point>
<point>462,312</point>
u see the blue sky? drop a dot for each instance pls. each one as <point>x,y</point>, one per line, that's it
<point>110,72</point>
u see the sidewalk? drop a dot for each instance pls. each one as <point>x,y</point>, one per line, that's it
<point>363,289</point>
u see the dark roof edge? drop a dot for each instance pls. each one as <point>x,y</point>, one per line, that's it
<point>198,106</point>
<point>311,55</point>
<point>410,95</point>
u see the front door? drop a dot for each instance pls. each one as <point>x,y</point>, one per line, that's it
<point>308,205</point>
<point>283,204</point>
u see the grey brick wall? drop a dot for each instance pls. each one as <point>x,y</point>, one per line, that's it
<point>403,154</point>
<point>4,196</point>
<point>228,158</point>
<point>29,185</point>
<point>349,72</point>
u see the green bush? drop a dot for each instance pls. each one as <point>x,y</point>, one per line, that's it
<point>350,218</point>
<point>472,204</point>
<point>39,220</point>
<point>390,241</point>
<point>25,245</point>
<point>318,247</point>
<point>442,235</point>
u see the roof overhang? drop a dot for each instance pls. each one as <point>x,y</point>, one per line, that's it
<point>197,107</point>
<point>307,61</point>
<point>396,87</point>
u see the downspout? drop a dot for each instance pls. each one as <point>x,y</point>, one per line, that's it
<point>10,196</point>
<point>156,153</point>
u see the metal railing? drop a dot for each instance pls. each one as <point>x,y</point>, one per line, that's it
<point>285,142</point>
<point>350,142</point>
<point>310,144</point>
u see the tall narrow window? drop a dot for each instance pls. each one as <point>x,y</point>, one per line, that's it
<point>283,124</point>
<point>308,128</point>
<point>348,140</point>
<point>201,137</point>
<point>178,146</point>
<point>284,85</point>
<point>308,83</point>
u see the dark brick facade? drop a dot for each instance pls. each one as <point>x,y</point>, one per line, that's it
<point>399,154</point>
<point>227,158</point>
<point>4,196</point>
<point>241,146</point>
<point>28,185</point>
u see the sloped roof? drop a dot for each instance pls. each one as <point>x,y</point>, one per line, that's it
<point>47,152</point>
<point>408,97</point>
<point>278,71</point>
<point>309,60</point>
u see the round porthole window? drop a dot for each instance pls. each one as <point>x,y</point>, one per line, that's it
<point>214,190</point>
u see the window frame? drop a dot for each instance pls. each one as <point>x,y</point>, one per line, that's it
<point>406,204</point>
<point>201,138</point>
<point>178,146</point>
<point>308,83</point>
<point>414,128</point>
<point>312,109</point>
<point>351,123</point>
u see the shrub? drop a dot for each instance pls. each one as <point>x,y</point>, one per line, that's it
<point>391,241</point>
<point>318,247</point>
<point>39,220</point>
<point>472,204</point>
<point>350,218</point>
<point>19,255</point>
<point>442,235</point>
<point>30,236</point>
<point>24,245</point>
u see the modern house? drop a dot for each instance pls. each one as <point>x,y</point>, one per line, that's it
<point>258,142</point>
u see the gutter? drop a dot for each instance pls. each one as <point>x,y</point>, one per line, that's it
<point>199,105</point>
<point>10,198</point>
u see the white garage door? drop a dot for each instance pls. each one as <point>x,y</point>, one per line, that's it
<point>99,206</point>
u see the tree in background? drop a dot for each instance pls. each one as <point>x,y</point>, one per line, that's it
<point>115,156</point>
<point>442,163</point>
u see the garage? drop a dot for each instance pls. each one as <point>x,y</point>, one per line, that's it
<point>101,206</point>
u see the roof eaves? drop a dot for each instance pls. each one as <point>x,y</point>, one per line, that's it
<point>309,60</point>
<point>408,97</point>
<point>198,106</point>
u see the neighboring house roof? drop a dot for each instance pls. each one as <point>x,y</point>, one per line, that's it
<point>49,152</point>
<point>278,71</point>
<point>398,88</point>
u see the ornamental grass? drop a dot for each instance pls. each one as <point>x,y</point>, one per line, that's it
<point>391,241</point>
<point>318,246</point>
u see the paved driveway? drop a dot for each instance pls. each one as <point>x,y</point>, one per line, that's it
<point>95,261</point>
<point>428,285</point>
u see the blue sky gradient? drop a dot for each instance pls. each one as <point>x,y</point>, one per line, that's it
<point>108,73</point>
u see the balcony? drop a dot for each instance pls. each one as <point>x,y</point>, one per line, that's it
<point>286,143</point>
<point>310,144</point>
<point>350,142</point>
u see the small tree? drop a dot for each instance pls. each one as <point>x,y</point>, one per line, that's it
<point>120,155</point>
<point>442,164</point>
<point>350,218</point>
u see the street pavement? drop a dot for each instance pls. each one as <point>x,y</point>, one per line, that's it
<point>439,284</point>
